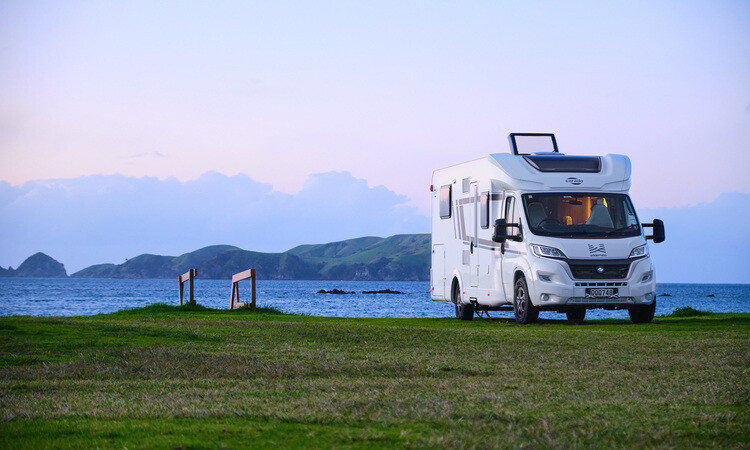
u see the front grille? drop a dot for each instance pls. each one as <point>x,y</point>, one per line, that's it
<point>588,271</point>
<point>600,301</point>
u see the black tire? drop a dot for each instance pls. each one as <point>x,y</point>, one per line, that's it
<point>643,314</point>
<point>464,311</point>
<point>576,315</point>
<point>525,312</point>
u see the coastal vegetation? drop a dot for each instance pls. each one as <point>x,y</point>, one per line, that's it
<point>197,377</point>
<point>37,265</point>
<point>404,257</point>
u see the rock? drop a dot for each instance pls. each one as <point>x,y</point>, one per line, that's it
<point>710,295</point>
<point>40,265</point>
<point>334,291</point>
<point>383,291</point>
<point>664,295</point>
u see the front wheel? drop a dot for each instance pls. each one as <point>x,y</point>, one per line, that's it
<point>525,312</point>
<point>464,311</point>
<point>576,315</point>
<point>642,314</point>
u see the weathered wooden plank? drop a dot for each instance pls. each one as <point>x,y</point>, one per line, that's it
<point>188,276</point>
<point>252,290</point>
<point>190,273</point>
<point>242,275</point>
<point>236,278</point>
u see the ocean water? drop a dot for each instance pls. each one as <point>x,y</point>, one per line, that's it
<point>82,297</point>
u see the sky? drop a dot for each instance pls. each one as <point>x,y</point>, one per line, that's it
<point>366,96</point>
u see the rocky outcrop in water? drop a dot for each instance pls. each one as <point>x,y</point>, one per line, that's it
<point>382,291</point>
<point>37,265</point>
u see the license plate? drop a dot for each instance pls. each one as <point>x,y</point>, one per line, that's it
<point>601,293</point>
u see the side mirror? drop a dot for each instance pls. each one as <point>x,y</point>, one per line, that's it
<point>657,232</point>
<point>500,230</point>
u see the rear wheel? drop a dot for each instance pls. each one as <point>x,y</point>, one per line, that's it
<point>464,311</point>
<point>643,314</point>
<point>525,312</point>
<point>576,315</point>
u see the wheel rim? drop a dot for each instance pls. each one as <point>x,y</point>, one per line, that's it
<point>520,300</point>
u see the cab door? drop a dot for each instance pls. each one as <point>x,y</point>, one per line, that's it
<point>511,250</point>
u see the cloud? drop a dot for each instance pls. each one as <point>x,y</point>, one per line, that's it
<point>95,219</point>
<point>98,218</point>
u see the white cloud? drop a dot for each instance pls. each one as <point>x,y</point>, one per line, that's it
<point>95,219</point>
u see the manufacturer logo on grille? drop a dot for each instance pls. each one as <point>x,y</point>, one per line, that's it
<point>599,269</point>
<point>574,180</point>
<point>597,250</point>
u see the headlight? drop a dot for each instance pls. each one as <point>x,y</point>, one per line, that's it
<point>639,251</point>
<point>546,252</point>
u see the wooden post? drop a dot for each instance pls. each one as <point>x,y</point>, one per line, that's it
<point>236,278</point>
<point>252,290</point>
<point>188,276</point>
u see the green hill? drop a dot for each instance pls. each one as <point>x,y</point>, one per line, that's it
<point>37,265</point>
<point>400,257</point>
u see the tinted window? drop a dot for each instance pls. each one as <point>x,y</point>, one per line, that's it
<point>484,210</point>
<point>511,217</point>
<point>561,163</point>
<point>509,210</point>
<point>445,201</point>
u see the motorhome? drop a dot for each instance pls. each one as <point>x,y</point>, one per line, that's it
<point>537,230</point>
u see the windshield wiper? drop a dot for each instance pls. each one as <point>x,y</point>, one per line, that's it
<point>618,230</point>
<point>573,233</point>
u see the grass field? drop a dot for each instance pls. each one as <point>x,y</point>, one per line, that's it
<point>187,377</point>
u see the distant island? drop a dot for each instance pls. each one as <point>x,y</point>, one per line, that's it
<point>403,257</point>
<point>37,265</point>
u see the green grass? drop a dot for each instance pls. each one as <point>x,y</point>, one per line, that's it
<point>166,376</point>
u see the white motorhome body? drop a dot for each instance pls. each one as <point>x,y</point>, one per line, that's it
<point>562,225</point>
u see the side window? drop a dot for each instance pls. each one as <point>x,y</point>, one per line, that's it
<point>484,210</point>
<point>510,210</point>
<point>511,217</point>
<point>445,201</point>
<point>629,215</point>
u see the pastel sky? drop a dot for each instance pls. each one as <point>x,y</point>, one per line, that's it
<point>386,90</point>
<point>368,96</point>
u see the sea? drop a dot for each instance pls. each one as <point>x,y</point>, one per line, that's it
<point>86,297</point>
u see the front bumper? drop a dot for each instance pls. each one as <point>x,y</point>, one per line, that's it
<point>555,287</point>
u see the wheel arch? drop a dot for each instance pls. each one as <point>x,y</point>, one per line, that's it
<point>520,271</point>
<point>455,280</point>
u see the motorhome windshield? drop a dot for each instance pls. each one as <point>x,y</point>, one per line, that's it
<point>578,215</point>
